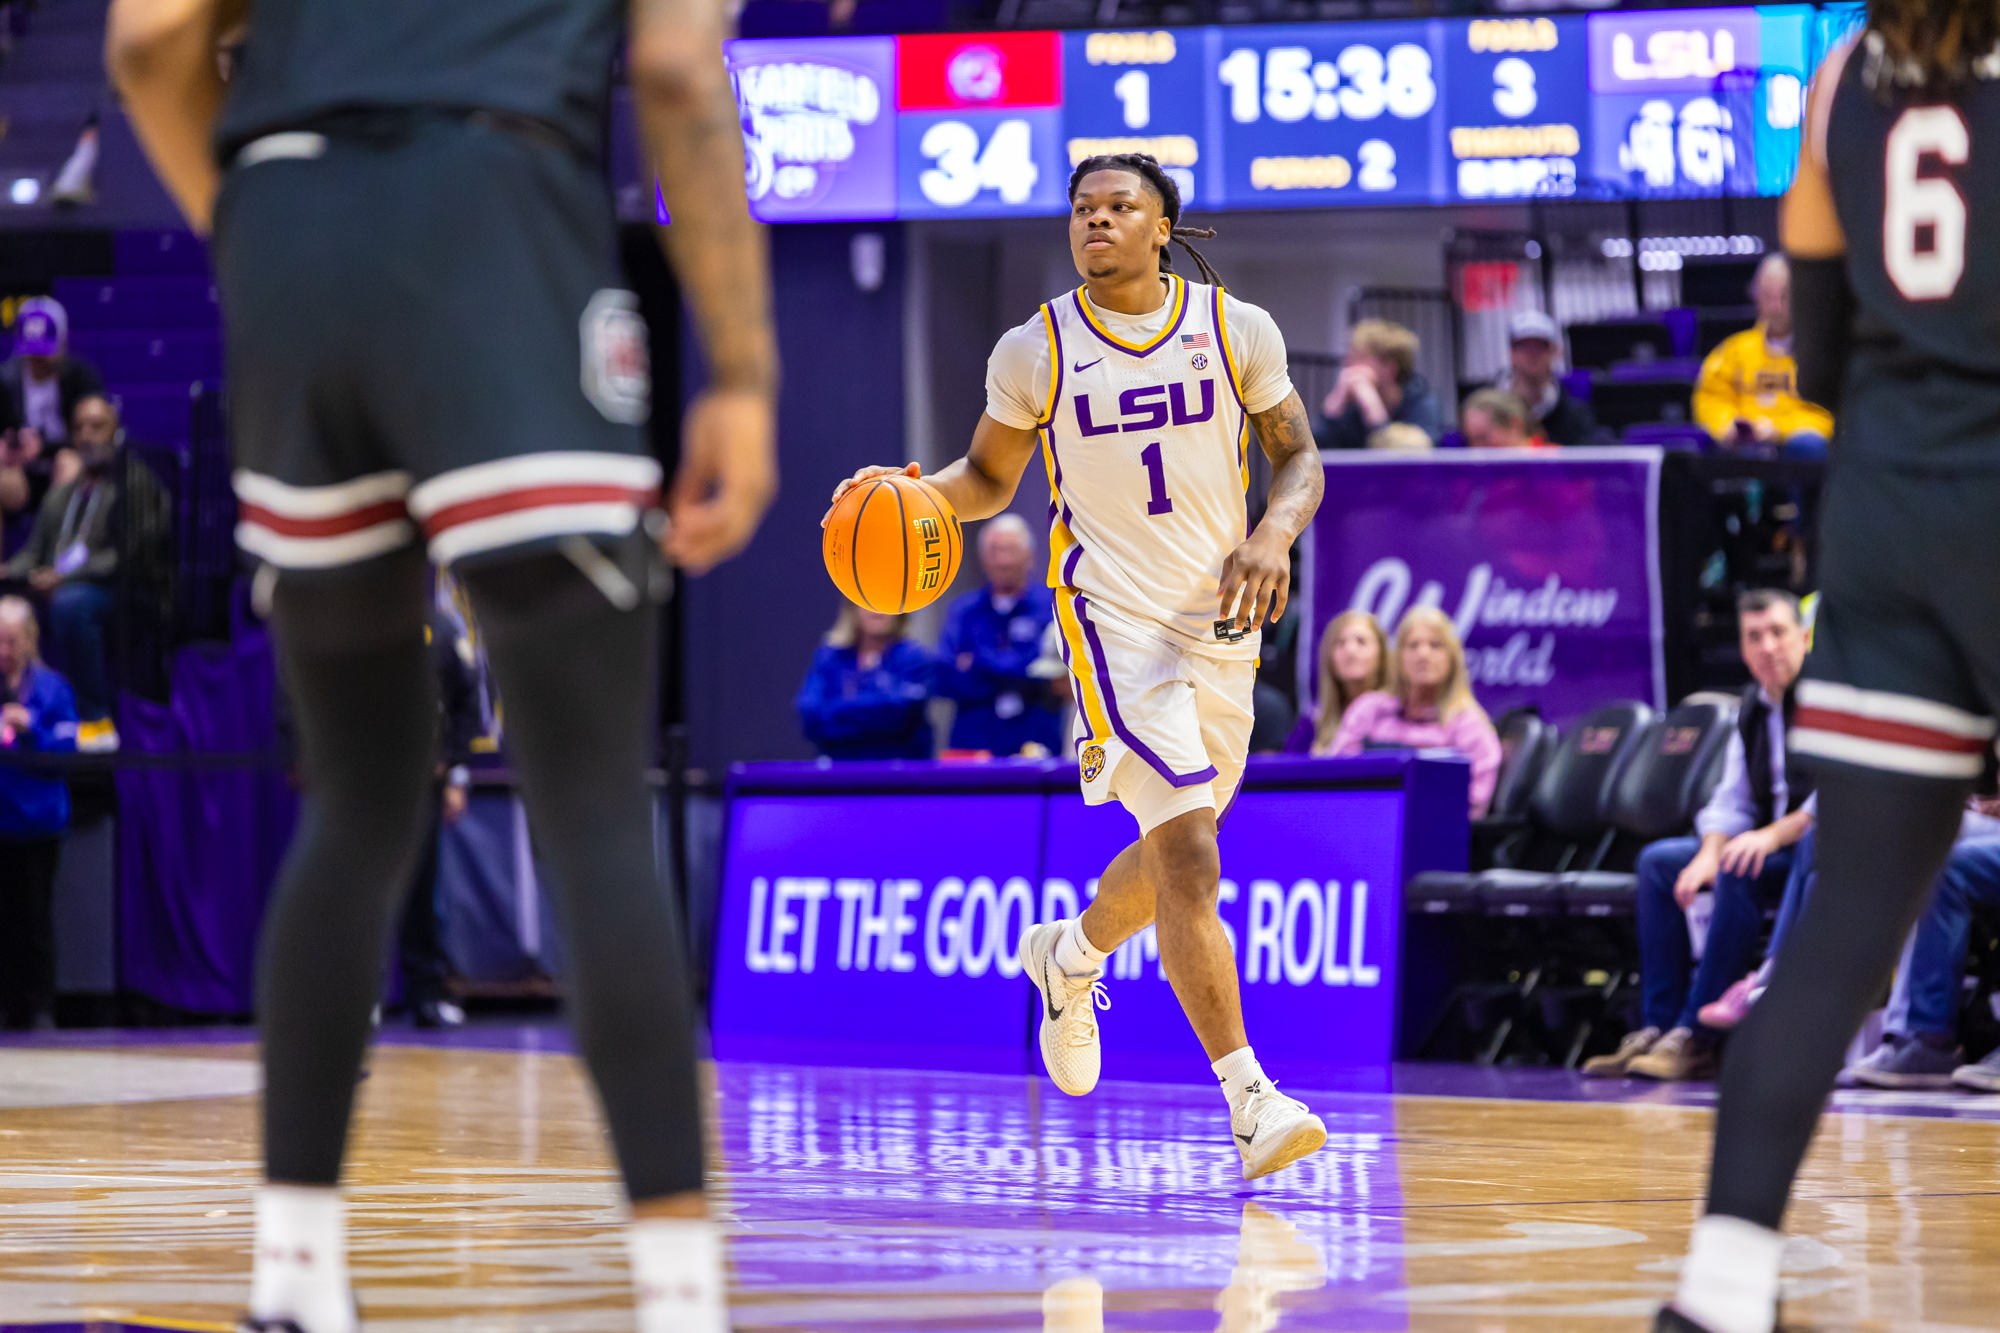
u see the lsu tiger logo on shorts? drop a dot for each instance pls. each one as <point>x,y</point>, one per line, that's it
<point>1093,762</point>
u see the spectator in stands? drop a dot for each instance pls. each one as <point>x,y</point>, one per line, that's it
<point>37,715</point>
<point>1353,660</point>
<point>1497,419</point>
<point>42,383</point>
<point>1429,704</point>
<point>1742,848</point>
<point>865,692</point>
<point>111,520</point>
<point>991,638</point>
<point>1747,396</point>
<point>1379,400</point>
<point>1925,1052</point>
<point>40,387</point>
<point>1534,341</point>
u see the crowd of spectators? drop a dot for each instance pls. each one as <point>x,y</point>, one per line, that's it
<point>1745,398</point>
<point>82,510</point>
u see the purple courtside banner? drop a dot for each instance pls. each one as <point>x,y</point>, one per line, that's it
<point>1547,562</point>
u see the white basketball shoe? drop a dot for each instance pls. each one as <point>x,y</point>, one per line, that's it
<point>1272,1130</point>
<point>1070,1048</point>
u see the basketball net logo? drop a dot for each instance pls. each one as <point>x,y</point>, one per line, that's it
<point>617,374</point>
<point>932,569</point>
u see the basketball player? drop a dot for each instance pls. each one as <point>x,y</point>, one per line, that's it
<point>1895,307</point>
<point>429,354</point>
<point>1141,389</point>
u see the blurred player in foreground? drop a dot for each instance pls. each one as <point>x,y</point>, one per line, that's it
<point>1142,388</point>
<point>429,354</point>
<point>1898,317</point>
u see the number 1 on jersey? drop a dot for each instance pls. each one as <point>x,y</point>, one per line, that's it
<point>1156,473</point>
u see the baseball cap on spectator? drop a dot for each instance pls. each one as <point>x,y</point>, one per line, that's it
<point>1533,324</point>
<point>40,327</point>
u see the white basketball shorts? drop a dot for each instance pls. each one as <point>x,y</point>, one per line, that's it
<point>1160,728</point>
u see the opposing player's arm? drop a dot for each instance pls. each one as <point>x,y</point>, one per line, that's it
<point>164,57</point>
<point>694,138</point>
<point>1257,577</point>
<point>1809,228</point>
<point>979,485</point>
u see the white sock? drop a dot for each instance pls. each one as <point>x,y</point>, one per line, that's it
<point>1238,1070</point>
<point>1730,1281</point>
<point>1075,954</point>
<point>300,1269</point>
<point>677,1277</point>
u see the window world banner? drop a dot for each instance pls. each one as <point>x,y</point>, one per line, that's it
<point>1547,563</point>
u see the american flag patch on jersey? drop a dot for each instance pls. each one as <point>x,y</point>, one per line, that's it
<point>1190,340</point>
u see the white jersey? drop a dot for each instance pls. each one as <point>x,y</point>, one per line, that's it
<point>1145,430</point>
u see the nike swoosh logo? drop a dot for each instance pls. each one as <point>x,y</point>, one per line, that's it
<point>1078,370</point>
<point>1054,1013</point>
<point>1247,1137</point>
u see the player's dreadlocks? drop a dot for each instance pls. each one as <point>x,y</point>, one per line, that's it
<point>1930,44</point>
<point>1147,168</point>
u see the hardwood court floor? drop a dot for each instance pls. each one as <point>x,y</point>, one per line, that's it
<point>482,1198</point>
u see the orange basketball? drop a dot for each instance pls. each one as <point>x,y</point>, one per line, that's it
<point>892,544</point>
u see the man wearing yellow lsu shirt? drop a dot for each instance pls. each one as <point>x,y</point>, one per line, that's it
<point>1747,397</point>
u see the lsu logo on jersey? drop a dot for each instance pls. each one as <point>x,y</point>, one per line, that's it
<point>930,568</point>
<point>1148,407</point>
<point>1093,762</point>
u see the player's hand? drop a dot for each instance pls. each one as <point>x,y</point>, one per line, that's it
<point>454,803</point>
<point>1745,853</point>
<point>728,476</point>
<point>1262,569</point>
<point>867,474</point>
<point>1699,874</point>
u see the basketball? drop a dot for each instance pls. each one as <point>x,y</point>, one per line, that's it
<point>892,544</point>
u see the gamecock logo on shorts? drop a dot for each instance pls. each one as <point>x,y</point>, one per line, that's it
<point>617,374</point>
<point>1093,762</point>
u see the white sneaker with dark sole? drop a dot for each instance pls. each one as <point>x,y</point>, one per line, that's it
<point>1071,1051</point>
<point>1272,1130</point>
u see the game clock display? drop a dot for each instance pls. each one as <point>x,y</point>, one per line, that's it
<point>1651,104</point>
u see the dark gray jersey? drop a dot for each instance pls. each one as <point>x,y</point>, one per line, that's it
<point>550,59</point>
<point>1916,185</point>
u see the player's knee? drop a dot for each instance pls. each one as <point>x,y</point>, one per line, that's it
<point>1184,864</point>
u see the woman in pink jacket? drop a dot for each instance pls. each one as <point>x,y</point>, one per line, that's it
<point>1432,706</point>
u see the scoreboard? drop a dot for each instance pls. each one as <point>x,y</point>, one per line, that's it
<point>1654,104</point>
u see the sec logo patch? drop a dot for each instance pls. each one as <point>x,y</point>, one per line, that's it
<point>1093,762</point>
<point>1199,360</point>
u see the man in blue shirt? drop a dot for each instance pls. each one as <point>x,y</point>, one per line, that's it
<point>991,639</point>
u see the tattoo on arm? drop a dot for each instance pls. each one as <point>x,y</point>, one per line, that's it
<point>1297,477</point>
<point>689,119</point>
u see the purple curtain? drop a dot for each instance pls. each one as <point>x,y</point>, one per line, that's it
<point>198,852</point>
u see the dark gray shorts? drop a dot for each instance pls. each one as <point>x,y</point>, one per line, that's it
<point>1904,674</point>
<point>427,334</point>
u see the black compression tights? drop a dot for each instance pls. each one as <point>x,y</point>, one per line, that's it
<point>575,675</point>
<point>1881,840</point>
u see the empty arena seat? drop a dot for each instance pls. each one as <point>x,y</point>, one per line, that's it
<point>152,357</point>
<point>1627,402</point>
<point>1596,346</point>
<point>1526,742</point>
<point>152,302</point>
<point>1677,764</point>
